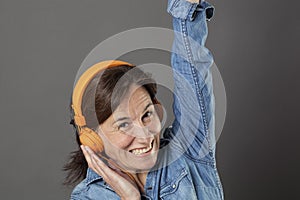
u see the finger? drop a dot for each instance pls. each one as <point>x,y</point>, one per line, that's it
<point>99,166</point>
<point>91,158</point>
<point>98,163</point>
<point>106,172</point>
<point>89,154</point>
<point>86,154</point>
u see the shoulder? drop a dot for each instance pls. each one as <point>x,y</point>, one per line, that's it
<point>79,191</point>
<point>93,189</point>
<point>187,179</point>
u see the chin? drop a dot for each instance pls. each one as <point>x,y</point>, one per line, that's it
<point>146,165</point>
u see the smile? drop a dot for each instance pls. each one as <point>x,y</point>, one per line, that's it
<point>140,151</point>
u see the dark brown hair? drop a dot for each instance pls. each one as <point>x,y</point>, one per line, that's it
<point>101,97</point>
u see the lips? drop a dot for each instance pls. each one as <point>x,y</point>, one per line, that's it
<point>143,150</point>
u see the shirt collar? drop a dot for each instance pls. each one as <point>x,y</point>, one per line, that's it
<point>92,176</point>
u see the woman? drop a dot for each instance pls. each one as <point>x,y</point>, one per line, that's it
<point>124,155</point>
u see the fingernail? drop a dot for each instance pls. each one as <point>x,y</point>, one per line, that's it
<point>87,148</point>
<point>83,148</point>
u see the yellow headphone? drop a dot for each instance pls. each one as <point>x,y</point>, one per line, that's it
<point>86,135</point>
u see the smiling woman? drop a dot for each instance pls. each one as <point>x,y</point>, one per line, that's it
<point>117,118</point>
<point>119,105</point>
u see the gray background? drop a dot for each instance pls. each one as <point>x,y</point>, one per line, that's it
<point>255,45</point>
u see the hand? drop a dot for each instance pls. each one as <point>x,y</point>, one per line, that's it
<point>122,185</point>
<point>193,1</point>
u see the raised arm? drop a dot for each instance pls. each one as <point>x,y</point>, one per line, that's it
<point>193,97</point>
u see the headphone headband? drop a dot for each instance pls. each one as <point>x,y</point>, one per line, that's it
<point>82,84</point>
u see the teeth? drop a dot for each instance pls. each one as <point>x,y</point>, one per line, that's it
<point>140,151</point>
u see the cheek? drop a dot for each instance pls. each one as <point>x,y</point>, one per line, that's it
<point>120,141</point>
<point>155,126</point>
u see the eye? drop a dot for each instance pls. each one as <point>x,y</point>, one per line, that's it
<point>147,116</point>
<point>123,126</point>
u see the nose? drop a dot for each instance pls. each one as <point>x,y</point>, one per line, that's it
<point>140,131</point>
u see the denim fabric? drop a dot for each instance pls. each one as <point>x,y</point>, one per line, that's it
<point>186,167</point>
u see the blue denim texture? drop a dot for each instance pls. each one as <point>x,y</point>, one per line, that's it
<point>186,167</point>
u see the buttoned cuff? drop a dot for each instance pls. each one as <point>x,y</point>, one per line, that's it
<point>183,9</point>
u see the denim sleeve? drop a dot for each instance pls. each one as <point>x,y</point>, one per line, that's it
<point>193,106</point>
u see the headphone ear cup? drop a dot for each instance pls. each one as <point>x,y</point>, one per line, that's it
<point>90,138</point>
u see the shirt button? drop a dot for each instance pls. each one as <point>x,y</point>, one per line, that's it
<point>173,186</point>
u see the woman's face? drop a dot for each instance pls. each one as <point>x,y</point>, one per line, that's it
<point>131,134</point>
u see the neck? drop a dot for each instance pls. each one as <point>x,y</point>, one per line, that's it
<point>140,179</point>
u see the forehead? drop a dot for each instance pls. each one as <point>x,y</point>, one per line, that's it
<point>136,98</point>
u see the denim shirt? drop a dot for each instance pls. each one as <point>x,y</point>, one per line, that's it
<point>186,166</point>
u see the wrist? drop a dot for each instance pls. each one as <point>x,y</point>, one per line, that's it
<point>136,196</point>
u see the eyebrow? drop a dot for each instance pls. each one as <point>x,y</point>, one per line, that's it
<point>148,105</point>
<point>124,118</point>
